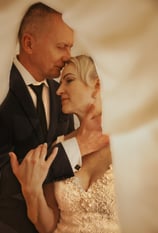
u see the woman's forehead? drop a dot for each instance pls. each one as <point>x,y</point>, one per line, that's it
<point>69,67</point>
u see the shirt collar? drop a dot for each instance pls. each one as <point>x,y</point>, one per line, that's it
<point>27,77</point>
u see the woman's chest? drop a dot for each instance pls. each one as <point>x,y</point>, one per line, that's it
<point>99,197</point>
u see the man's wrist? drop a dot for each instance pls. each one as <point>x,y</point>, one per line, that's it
<point>72,150</point>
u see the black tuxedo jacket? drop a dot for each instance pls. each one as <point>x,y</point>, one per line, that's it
<point>20,131</point>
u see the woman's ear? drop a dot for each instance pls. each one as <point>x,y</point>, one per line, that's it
<point>96,88</point>
<point>97,84</point>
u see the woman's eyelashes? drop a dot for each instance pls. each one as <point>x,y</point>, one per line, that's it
<point>69,79</point>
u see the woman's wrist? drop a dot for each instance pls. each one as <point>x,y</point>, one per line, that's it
<point>32,192</point>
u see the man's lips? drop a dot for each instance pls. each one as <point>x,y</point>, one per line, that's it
<point>60,66</point>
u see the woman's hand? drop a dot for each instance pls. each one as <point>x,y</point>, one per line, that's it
<point>32,171</point>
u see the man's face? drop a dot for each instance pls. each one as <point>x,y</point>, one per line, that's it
<point>52,48</point>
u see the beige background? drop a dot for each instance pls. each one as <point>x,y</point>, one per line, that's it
<point>122,38</point>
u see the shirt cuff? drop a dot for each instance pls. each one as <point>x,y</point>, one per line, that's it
<point>73,152</point>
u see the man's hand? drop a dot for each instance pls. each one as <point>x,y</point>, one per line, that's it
<point>89,135</point>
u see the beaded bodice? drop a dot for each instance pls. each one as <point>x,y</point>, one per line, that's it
<point>83,211</point>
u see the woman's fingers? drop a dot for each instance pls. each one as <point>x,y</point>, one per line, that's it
<point>38,155</point>
<point>34,157</point>
<point>43,151</point>
<point>52,156</point>
<point>14,162</point>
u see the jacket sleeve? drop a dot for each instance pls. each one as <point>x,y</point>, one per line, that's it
<point>61,167</point>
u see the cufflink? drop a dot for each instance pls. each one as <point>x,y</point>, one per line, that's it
<point>77,167</point>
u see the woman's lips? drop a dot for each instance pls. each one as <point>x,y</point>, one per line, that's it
<point>63,100</point>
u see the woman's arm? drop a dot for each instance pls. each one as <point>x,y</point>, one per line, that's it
<point>31,173</point>
<point>42,209</point>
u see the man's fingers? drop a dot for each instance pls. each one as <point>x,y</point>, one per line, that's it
<point>14,162</point>
<point>105,139</point>
<point>52,156</point>
<point>90,113</point>
<point>91,120</point>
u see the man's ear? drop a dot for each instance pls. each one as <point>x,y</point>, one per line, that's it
<point>27,42</point>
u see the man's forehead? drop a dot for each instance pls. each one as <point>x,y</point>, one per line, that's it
<point>64,37</point>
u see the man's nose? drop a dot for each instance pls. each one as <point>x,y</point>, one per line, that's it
<point>67,54</point>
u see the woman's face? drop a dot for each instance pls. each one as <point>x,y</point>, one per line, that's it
<point>75,94</point>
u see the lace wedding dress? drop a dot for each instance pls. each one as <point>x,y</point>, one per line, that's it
<point>90,211</point>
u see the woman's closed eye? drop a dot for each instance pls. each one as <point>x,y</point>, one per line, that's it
<point>69,80</point>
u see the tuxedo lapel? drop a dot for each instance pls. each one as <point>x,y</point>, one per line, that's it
<point>20,91</point>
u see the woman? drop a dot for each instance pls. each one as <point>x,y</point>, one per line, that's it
<point>86,202</point>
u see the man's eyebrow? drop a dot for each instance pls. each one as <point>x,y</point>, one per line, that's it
<point>65,44</point>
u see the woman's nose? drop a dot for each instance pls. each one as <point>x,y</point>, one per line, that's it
<point>59,90</point>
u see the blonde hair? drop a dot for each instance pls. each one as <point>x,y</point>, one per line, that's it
<point>85,67</point>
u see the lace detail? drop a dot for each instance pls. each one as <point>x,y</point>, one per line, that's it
<point>83,211</point>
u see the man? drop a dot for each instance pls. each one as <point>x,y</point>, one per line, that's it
<point>45,43</point>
